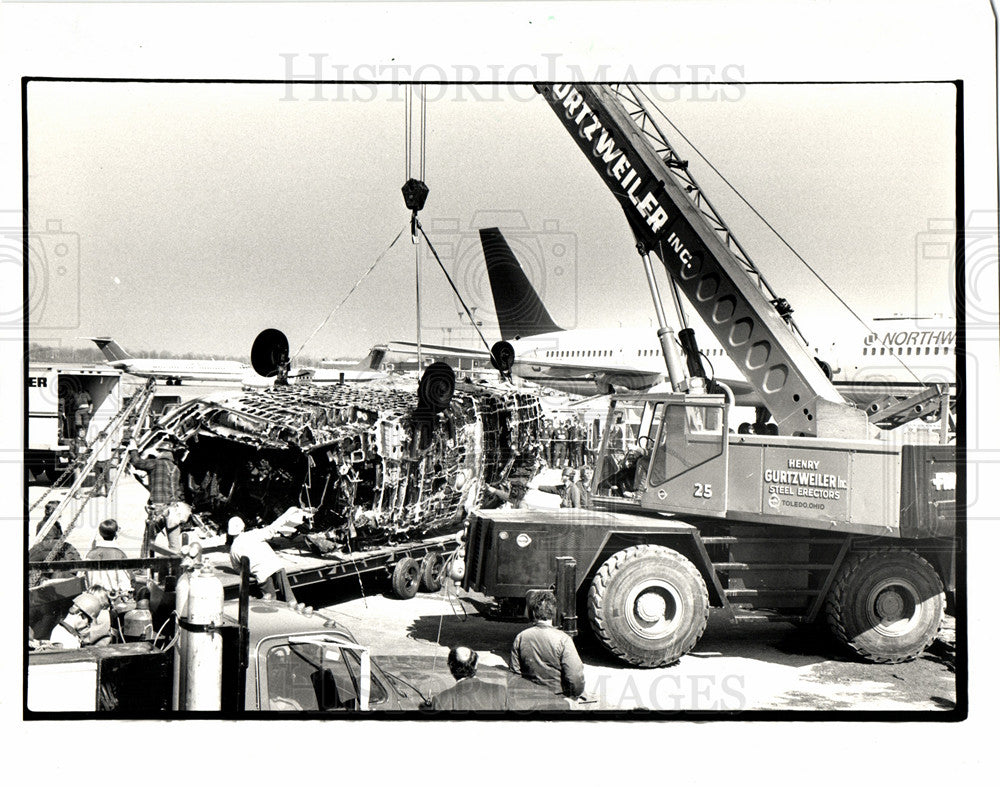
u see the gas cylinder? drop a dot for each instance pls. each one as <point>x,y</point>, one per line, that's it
<point>138,623</point>
<point>181,592</point>
<point>201,646</point>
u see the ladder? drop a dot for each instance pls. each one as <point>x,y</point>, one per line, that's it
<point>120,431</point>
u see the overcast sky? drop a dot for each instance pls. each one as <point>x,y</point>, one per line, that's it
<point>205,213</point>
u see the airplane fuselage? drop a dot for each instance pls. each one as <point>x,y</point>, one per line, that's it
<point>894,361</point>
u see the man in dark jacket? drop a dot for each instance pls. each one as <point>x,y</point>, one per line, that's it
<point>546,655</point>
<point>166,507</point>
<point>469,692</point>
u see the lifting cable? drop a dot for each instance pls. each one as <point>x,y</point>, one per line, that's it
<point>454,289</point>
<point>350,292</point>
<point>772,228</point>
<point>415,193</point>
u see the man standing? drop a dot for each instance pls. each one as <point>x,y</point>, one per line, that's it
<point>547,432</point>
<point>166,506</point>
<point>559,445</point>
<point>469,692</point>
<point>573,442</point>
<point>118,582</point>
<point>544,654</point>
<point>82,415</point>
<point>105,451</point>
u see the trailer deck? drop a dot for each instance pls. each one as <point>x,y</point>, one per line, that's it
<point>305,568</point>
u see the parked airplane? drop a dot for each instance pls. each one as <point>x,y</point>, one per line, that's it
<point>174,371</point>
<point>866,366</point>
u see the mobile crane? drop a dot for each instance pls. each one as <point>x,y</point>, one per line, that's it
<point>802,519</point>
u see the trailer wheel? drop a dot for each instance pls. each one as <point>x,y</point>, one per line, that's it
<point>648,605</point>
<point>886,606</point>
<point>406,578</point>
<point>431,572</point>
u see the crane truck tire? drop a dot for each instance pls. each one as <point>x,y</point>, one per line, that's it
<point>406,578</point>
<point>648,605</point>
<point>886,606</point>
<point>432,572</point>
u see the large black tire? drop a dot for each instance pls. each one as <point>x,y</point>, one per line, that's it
<point>886,606</point>
<point>406,578</point>
<point>432,572</point>
<point>648,605</point>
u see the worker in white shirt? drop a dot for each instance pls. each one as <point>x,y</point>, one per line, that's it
<point>252,544</point>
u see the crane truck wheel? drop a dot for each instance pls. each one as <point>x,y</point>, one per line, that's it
<point>432,572</point>
<point>648,605</point>
<point>406,578</point>
<point>886,606</point>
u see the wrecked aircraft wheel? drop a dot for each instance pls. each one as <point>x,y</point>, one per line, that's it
<point>432,572</point>
<point>269,348</point>
<point>648,605</point>
<point>406,578</point>
<point>886,605</point>
<point>502,356</point>
<point>437,386</point>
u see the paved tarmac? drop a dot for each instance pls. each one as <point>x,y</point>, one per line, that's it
<point>760,666</point>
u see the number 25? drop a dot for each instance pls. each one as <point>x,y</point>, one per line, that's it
<point>703,490</point>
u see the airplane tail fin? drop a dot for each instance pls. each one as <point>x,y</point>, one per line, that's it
<point>374,359</point>
<point>111,349</point>
<point>520,311</point>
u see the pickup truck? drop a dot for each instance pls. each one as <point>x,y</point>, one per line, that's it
<point>295,660</point>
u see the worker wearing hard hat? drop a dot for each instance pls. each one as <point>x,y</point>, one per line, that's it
<point>88,622</point>
<point>252,544</point>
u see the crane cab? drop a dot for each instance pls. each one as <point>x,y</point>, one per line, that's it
<point>664,452</point>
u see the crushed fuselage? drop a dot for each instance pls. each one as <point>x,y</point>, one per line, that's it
<point>374,465</point>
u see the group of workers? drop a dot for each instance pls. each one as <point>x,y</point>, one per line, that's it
<point>542,654</point>
<point>564,442</point>
<point>90,618</point>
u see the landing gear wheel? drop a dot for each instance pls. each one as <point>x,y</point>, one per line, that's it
<point>648,605</point>
<point>432,572</point>
<point>406,578</point>
<point>886,605</point>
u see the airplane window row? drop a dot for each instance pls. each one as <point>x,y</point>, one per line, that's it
<point>710,351</point>
<point>578,353</point>
<point>909,351</point>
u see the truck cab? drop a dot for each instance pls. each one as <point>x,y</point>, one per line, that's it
<point>304,661</point>
<point>296,660</point>
<point>674,460</point>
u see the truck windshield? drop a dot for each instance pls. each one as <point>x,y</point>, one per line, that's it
<point>315,677</point>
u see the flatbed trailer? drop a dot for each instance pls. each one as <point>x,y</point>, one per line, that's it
<point>411,565</point>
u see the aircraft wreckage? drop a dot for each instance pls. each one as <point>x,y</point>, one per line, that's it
<point>378,463</point>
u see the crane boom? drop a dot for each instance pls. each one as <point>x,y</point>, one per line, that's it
<point>694,247</point>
